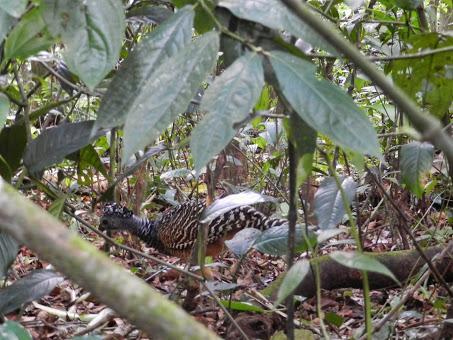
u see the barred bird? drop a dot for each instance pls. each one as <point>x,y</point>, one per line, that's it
<point>175,231</point>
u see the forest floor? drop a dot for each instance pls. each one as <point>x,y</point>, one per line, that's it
<point>67,311</point>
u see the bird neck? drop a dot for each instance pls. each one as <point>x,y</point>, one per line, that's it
<point>145,229</point>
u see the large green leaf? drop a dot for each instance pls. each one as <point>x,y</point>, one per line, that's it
<point>8,251</point>
<point>168,92</point>
<point>14,330</point>
<point>203,21</point>
<point>415,159</point>
<point>29,36</point>
<point>92,32</point>
<point>228,100</point>
<point>243,241</point>
<point>329,205</point>
<point>274,14</point>
<point>292,279</point>
<point>165,41</point>
<point>4,109</point>
<point>53,145</point>
<point>322,105</point>
<point>31,287</point>
<point>274,241</point>
<point>14,8</point>
<point>362,262</point>
<point>13,140</point>
<point>6,21</point>
<point>303,137</point>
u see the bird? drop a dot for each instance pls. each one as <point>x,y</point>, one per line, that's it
<point>175,232</point>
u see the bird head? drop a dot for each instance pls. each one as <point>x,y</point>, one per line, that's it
<point>115,217</point>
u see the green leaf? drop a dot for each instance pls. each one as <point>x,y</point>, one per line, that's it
<point>134,73</point>
<point>274,241</point>
<point>168,92</point>
<point>274,14</point>
<point>409,4</point>
<point>203,21</point>
<point>363,262</point>
<point>13,140</point>
<point>14,330</point>
<point>292,279</point>
<point>4,110</point>
<point>303,137</point>
<point>243,241</point>
<point>8,252</point>
<point>230,202</point>
<point>153,14</point>
<point>241,306</point>
<point>57,206</point>
<point>89,157</point>
<point>228,100</point>
<point>334,319</point>
<point>6,21</point>
<point>329,205</point>
<point>415,159</point>
<point>53,145</point>
<point>29,36</point>
<point>14,8</point>
<point>5,170</point>
<point>322,105</point>
<point>92,32</point>
<point>29,288</point>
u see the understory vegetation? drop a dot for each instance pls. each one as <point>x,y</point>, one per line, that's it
<point>334,115</point>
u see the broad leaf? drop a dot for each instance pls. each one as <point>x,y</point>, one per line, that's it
<point>133,74</point>
<point>203,22</point>
<point>92,32</point>
<point>241,306</point>
<point>29,36</point>
<point>168,92</point>
<point>415,159</point>
<point>274,241</point>
<point>274,14</point>
<point>228,100</point>
<point>6,21</point>
<point>8,252</point>
<point>362,262</point>
<point>243,241</point>
<point>14,330</point>
<point>89,157</point>
<point>329,205</point>
<point>292,279</point>
<point>12,145</point>
<point>151,13</point>
<point>53,145</point>
<point>303,137</point>
<point>322,105</point>
<point>57,206</point>
<point>14,8</point>
<point>230,202</point>
<point>4,110</point>
<point>29,288</point>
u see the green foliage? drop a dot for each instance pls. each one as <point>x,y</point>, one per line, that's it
<point>164,42</point>
<point>31,287</point>
<point>427,79</point>
<point>360,261</point>
<point>8,251</point>
<point>4,110</point>
<point>415,159</point>
<point>292,279</point>
<point>28,37</point>
<point>228,100</point>
<point>12,145</point>
<point>13,330</point>
<point>155,107</point>
<point>92,32</point>
<point>329,204</point>
<point>14,8</point>
<point>322,105</point>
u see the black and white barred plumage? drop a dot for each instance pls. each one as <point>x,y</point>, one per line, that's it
<point>175,231</point>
